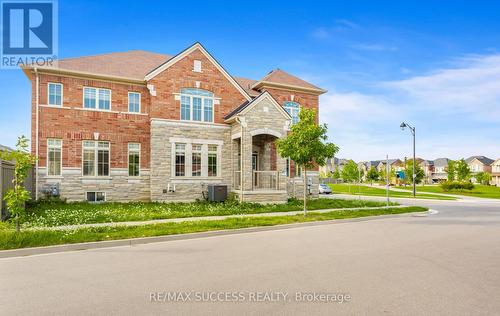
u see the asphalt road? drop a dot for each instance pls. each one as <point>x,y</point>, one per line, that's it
<point>443,264</point>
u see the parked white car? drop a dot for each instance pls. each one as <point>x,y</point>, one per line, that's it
<point>324,189</point>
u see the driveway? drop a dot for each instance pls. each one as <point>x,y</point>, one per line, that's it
<point>447,263</point>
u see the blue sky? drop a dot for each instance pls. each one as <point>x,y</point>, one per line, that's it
<point>434,64</point>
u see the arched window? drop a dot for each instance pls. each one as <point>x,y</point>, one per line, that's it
<point>197,105</point>
<point>293,109</point>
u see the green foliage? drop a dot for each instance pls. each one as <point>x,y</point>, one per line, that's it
<point>52,213</point>
<point>462,170</point>
<point>44,237</point>
<point>483,178</point>
<point>409,172</point>
<point>17,197</point>
<point>336,174</point>
<point>452,170</point>
<point>350,172</point>
<point>372,175</point>
<point>306,143</point>
<point>456,185</point>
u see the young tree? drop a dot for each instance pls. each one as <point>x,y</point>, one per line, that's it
<point>483,177</point>
<point>306,144</point>
<point>462,170</point>
<point>409,172</point>
<point>372,175</point>
<point>350,173</point>
<point>18,196</point>
<point>451,170</point>
<point>336,174</point>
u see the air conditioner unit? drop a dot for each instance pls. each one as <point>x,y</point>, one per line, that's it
<point>217,192</point>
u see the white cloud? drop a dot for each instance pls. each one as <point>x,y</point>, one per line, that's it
<point>473,88</point>
<point>456,111</point>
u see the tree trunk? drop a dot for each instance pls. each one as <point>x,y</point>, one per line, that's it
<point>305,189</point>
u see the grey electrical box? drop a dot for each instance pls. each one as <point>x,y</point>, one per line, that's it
<point>217,192</point>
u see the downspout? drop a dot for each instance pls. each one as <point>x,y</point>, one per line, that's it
<point>241,158</point>
<point>37,95</point>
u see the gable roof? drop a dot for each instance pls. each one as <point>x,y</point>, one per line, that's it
<point>246,106</point>
<point>5,148</point>
<point>484,160</point>
<point>140,65</point>
<point>279,78</point>
<point>441,162</point>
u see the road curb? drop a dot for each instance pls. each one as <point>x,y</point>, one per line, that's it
<point>23,252</point>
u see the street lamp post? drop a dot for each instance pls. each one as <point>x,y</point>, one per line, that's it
<point>414,176</point>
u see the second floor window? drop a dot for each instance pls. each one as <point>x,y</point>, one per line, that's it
<point>55,94</point>
<point>95,158</point>
<point>197,105</point>
<point>94,98</point>
<point>134,102</point>
<point>293,109</point>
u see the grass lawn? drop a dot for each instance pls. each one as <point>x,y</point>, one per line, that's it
<point>46,214</point>
<point>9,239</point>
<point>372,191</point>
<point>482,191</point>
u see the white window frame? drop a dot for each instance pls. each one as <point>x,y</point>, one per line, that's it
<point>174,160</point>
<point>96,158</point>
<point>60,147</point>
<point>95,192</point>
<point>97,99</point>
<point>138,151</point>
<point>139,94</point>
<point>292,110</point>
<point>48,94</point>
<point>200,151</point>
<point>188,152</point>
<point>203,98</point>
<point>197,65</point>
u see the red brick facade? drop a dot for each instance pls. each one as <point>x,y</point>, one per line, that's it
<point>72,123</point>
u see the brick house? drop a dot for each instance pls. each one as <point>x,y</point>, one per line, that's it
<point>143,126</point>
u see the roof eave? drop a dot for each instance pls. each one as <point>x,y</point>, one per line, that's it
<point>58,71</point>
<point>260,84</point>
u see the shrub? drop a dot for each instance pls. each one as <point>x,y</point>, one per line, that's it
<point>456,185</point>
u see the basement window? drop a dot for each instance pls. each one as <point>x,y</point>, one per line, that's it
<point>94,197</point>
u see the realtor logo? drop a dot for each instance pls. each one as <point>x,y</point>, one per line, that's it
<point>29,33</point>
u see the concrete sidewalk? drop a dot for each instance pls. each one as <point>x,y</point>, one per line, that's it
<point>200,218</point>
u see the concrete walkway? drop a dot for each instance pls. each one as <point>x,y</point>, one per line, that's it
<point>199,218</point>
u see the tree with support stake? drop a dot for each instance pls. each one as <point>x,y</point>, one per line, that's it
<point>306,145</point>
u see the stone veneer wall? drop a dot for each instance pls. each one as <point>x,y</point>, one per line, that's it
<point>186,188</point>
<point>118,186</point>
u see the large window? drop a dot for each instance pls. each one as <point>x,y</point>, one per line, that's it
<point>55,94</point>
<point>95,158</point>
<point>134,102</point>
<point>180,160</point>
<point>197,105</point>
<point>54,160</point>
<point>134,154</point>
<point>94,98</point>
<point>195,160</point>
<point>293,109</point>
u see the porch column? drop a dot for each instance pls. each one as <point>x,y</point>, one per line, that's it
<point>281,166</point>
<point>246,158</point>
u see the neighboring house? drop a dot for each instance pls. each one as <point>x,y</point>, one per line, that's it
<point>440,172</point>
<point>329,167</point>
<point>428,168</point>
<point>495,173</point>
<point>138,125</point>
<point>5,148</point>
<point>479,164</point>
